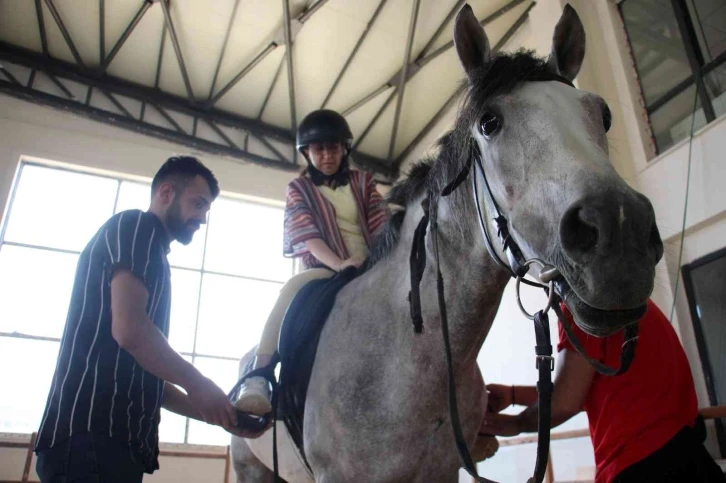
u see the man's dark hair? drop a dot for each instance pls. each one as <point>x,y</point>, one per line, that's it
<point>182,169</point>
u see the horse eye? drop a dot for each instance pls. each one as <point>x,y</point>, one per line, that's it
<point>489,124</point>
<point>607,118</point>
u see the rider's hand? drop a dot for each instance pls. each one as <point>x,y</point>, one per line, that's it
<point>350,262</point>
<point>212,403</point>
<point>500,397</point>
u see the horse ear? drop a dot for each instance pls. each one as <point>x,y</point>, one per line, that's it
<point>568,45</point>
<point>471,42</point>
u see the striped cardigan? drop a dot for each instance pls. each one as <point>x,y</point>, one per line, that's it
<point>309,215</point>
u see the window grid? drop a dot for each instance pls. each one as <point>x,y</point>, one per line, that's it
<point>193,354</point>
<point>700,68</point>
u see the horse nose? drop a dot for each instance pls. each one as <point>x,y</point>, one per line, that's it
<point>608,223</point>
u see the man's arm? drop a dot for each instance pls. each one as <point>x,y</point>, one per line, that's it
<point>571,387</point>
<point>178,402</point>
<point>134,332</point>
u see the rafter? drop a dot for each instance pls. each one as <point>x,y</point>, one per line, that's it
<point>41,26</point>
<point>224,48</point>
<point>125,35</point>
<point>290,71</point>
<point>177,48</point>
<point>402,82</point>
<point>64,32</point>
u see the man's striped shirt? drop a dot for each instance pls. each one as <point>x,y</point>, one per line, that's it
<point>97,386</point>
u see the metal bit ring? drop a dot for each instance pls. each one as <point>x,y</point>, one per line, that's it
<point>545,267</point>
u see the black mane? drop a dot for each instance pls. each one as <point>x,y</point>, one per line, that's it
<point>501,76</point>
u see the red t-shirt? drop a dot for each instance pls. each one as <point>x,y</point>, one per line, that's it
<point>636,413</point>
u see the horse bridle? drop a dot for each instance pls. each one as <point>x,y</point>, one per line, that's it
<point>517,266</point>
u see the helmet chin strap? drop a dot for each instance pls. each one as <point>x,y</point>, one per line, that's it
<point>339,178</point>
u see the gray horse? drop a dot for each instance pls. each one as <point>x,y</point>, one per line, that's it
<point>376,404</point>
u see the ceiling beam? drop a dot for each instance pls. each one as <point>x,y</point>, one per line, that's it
<point>450,101</point>
<point>353,52</point>
<point>224,48</point>
<point>34,60</point>
<point>272,87</point>
<point>41,26</point>
<point>148,129</point>
<point>177,48</point>
<point>402,82</point>
<point>64,32</point>
<point>290,71</point>
<point>101,31</point>
<point>375,119</point>
<point>278,40</point>
<point>9,75</point>
<point>125,35</point>
<point>414,67</point>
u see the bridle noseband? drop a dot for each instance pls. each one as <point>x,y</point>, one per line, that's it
<point>517,266</point>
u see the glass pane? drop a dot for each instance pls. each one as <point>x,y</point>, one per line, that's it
<point>232,314</point>
<point>22,286</point>
<point>23,361</point>
<point>172,426</point>
<point>58,208</point>
<point>672,121</point>
<point>656,44</point>
<point>716,87</point>
<point>709,21</point>
<point>225,375</point>
<point>708,283</point>
<point>246,239</point>
<point>184,300</point>
<point>136,196</point>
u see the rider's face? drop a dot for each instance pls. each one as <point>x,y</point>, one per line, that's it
<point>326,157</point>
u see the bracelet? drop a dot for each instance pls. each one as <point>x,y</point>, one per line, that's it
<point>512,391</point>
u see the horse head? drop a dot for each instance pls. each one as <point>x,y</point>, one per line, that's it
<point>542,144</point>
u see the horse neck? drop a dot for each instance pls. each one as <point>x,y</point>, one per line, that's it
<point>473,282</point>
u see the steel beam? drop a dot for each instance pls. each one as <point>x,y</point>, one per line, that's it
<point>454,10</point>
<point>272,87</point>
<point>305,16</point>
<point>260,57</point>
<point>101,31</point>
<point>9,75</point>
<point>355,51</point>
<point>34,60</point>
<point>41,26</point>
<point>116,103</point>
<point>402,81</point>
<point>177,48</point>
<point>64,32</point>
<point>414,67</point>
<point>375,119</point>
<point>290,72</point>
<point>60,86</point>
<point>168,118</point>
<point>161,57</point>
<point>125,35</point>
<point>221,134</point>
<point>224,48</point>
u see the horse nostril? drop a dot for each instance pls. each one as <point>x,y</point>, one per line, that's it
<point>579,232</point>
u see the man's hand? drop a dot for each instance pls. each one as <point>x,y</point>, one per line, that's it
<point>212,403</point>
<point>501,425</point>
<point>500,397</point>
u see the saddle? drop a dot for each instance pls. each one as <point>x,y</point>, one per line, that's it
<point>298,344</point>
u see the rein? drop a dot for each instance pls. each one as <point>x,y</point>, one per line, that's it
<point>517,266</point>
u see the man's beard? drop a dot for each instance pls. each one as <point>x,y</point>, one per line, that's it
<point>181,231</point>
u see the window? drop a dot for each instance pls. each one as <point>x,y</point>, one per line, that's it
<point>679,48</point>
<point>224,284</point>
<point>705,283</point>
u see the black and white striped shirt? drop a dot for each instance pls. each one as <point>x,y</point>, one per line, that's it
<point>97,386</point>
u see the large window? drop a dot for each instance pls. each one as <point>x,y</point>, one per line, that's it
<point>679,48</point>
<point>223,285</point>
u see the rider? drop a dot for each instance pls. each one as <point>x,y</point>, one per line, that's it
<point>331,216</point>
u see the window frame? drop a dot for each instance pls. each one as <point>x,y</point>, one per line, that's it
<point>121,178</point>
<point>699,68</point>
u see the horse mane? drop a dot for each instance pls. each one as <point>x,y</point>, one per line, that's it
<point>502,75</point>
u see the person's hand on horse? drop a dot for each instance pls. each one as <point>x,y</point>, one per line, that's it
<point>350,262</point>
<point>500,397</point>
<point>501,425</point>
<point>212,403</point>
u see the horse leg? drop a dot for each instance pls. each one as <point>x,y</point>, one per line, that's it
<point>246,465</point>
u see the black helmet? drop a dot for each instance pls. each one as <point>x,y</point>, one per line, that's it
<point>323,126</point>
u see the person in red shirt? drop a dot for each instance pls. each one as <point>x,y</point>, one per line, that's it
<point>641,422</point>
